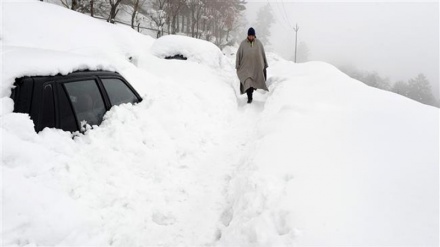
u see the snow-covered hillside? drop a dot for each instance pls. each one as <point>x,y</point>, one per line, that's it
<point>321,159</point>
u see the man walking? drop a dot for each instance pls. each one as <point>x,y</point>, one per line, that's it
<point>251,65</point>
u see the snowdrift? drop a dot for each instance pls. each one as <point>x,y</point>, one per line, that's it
<point>338,163</point>
<point>321,159</point>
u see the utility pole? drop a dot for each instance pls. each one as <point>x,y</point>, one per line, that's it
<point>296,38</point>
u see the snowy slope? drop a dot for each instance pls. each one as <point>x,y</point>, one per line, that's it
<point>339,163</point>
<point>321,159</point>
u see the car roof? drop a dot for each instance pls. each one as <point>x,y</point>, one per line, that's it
<point>80,73</point>
<point>19,62</point>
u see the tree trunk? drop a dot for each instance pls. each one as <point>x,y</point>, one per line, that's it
<point>113,11</point>
<point>91,8</point>
<point>182,27</point>
<point>74,4</point>
<point>176,24</point>
<point>133,16</point>
<point>188,23</point>
<point>218,34</point>
<point>173,24</point>
<point>193,24</point>
<point>110,17</point>
<point>197,29</point>
<point>203,28</point>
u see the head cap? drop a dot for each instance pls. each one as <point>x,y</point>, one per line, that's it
<point>251,31</point>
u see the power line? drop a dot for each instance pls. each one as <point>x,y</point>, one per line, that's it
<point>283,24</point>
<point>286,15</point>
<point>281,12</point>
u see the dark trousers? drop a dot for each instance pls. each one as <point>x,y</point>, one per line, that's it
<point>249,93</point>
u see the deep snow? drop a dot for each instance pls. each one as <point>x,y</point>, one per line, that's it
<point>321,159</point>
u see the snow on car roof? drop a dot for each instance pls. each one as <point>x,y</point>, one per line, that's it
<point>42,46</point>
<point>195,50</point>
<point>24,61</point>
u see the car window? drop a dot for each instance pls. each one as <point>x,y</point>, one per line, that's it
<point>118,92</point>
<point>48,107</point>
<point>86,101</point>
<point>65,111</point>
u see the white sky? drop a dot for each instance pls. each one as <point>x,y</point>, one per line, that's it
<point>398,39</point>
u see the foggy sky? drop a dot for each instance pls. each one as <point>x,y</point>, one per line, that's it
<point>397,39</point>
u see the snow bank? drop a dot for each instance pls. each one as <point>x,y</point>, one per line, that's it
<point>337,163</point>
<point>151,173</point>
<point>68,31</point>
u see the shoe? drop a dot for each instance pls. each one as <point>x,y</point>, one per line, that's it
<point>249,101</point>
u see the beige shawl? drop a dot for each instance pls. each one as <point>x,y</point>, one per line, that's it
<point>250,64</point>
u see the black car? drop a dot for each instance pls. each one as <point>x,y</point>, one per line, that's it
<point>70,101</point>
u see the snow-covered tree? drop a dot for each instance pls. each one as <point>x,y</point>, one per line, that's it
<point>212,20</point>
<point>158,15</point>
<point>264,22</point>
<point>114,9</point>
<point>174,8</point>
<point>196,8</point>
<point>93,7</point>
<point>373,79</point>
<point>420,90</point>
<point>401,88</point>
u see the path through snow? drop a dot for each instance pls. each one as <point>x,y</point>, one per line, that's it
<point>228,198</point>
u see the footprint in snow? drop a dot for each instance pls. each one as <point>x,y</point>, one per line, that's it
<point>163,219</point>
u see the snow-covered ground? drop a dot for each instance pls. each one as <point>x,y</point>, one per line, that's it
<point>321,159</point>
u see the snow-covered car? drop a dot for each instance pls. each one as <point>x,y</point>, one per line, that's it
<point>186,48</point>
<point>70,101</point>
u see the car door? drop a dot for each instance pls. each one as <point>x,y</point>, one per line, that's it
<point>85,100</point>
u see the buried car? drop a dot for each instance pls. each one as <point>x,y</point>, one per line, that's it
<point>68,102</point>
<point>194,50</point>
